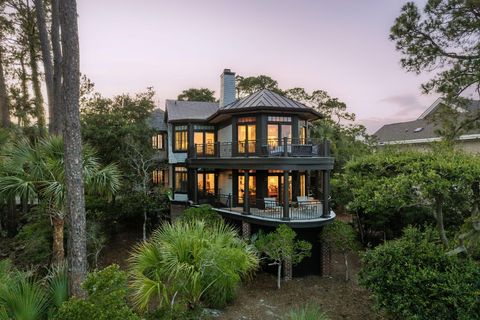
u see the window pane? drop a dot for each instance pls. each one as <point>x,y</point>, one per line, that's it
<point>198,141</point>
<point>273,135</point>
<point>210,141</point>
<point>286,131</point>
<point>200,182</point>
<point>242,136</point>
<point>210,183</point>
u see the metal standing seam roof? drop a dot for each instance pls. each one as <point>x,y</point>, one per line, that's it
<point>264,98</point>
<point>157,120</point>
<point>189,110</point>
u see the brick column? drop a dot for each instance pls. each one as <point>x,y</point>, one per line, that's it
<point>246,230</point>
<point>287,270</point>
<point>325,259</point>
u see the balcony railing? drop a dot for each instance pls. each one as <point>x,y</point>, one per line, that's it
<point>286,147</point>
<point>266,208</point>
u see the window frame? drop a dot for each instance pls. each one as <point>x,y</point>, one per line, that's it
<point>183,172</point>
<point>155,140</point>
<point>184,134</point>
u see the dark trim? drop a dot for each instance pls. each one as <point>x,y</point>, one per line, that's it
<point>271,222</point>
<point>260,163</point>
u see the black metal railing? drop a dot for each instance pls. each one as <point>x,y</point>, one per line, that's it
<point>271,208</point>
<point>286,147</point>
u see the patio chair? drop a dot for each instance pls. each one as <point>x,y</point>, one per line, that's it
<point>271,204</point>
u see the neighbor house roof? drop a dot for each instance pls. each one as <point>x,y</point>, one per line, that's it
<point>266,100</point>
<point>422,130</point>
<point>157,120</point>
<point>178,111</point>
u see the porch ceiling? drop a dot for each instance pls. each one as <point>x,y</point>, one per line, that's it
<point>260,163</point>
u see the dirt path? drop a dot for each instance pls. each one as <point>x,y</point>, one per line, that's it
<point>260,299</point>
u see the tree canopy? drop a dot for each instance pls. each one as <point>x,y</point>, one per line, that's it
<point>443,39</point>
<point>194,94</point>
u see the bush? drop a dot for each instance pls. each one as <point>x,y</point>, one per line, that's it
<point>203,212</point>
<point>188,261</point>
<point>308,312</point>
<point>33,243</point>
<point>107,292</point>
<point>413,278</point>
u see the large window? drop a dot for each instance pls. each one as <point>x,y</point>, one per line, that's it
<point>160,177</point>
<point>206,182</point>
<point>181,180</point>
<point>181,138</point>
<point>247,134</point>
<point>204,139</point>
<point>278,128</point>
<point>158,142</point>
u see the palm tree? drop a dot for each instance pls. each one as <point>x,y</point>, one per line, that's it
<point>36,172</point>
<point>189,260</point>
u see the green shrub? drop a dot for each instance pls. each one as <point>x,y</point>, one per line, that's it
<point>413,278</point>
<point>308,312</point>
<point>107,292</point>
<point>192,262</point>
<point>33,243</point>
<point>203,212</point>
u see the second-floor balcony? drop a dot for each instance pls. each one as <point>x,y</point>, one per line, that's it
<point>286,147</point>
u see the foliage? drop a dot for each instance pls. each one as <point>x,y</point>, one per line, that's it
<point>113,125</point>
<point>247,85</point>
<point>413,278</point>
<point>194,94</point>
<point>443,38</point>
<point>469,237</point>
<point>36,172</point>
<point>33,243</point>
<point>96,240</point>
<point>281,246</point>
<point>310,311</point>
<point>24,297</point>
<point>341,236</point>
<point>107,292</point>
<point>203,212</point>
<point>392,183</point>
<point>190,261</point>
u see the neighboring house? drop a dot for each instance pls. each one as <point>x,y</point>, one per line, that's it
<point>420,133</point>
<point>251,159</point>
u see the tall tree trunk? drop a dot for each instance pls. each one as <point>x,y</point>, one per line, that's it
<point>345,257</point>
<point>25,99</point>
<point>77,251</point>
<point>46,57</point>
<point>39,110</point>
<point>58,124</point>
<point>58,251</point>
<point>439,219</point>
<point>279,274</point>
<point>4,106</point>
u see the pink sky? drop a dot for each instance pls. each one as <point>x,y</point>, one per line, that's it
<point>338,46</point>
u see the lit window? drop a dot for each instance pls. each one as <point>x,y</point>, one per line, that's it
<point>279,119</point>
<point>158,142</point>
<point>181,179</point>
<point>181,138</point>
<point>160,176</point>
<point>247,119</point>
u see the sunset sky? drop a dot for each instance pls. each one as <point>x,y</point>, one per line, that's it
<point>341,47</point>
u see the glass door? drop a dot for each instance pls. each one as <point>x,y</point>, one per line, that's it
<point>251,186</point>
<point>247,145</point>
<point>210,143</point>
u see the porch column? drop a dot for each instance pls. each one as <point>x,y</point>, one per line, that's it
<point>326,193</point>
<point>286,213</point>
<point>307,183</point>
<point>246,191</point>
<point>195,186</point>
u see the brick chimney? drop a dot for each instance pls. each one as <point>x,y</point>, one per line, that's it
<point>227,87</point>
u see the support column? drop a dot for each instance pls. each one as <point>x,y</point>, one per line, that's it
<point>287,270</point>
<point>326,259</point>
<point>195,186</point>
<point>246,196</point>
<point>326,193</point>
<point>246,230</point>
<point>307,183</point>
<point>286,209</point>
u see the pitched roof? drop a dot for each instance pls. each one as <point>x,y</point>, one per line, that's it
<point>420,130</point>
<point>264,98</point>
<point>189,110</point>
<point>157,120</point>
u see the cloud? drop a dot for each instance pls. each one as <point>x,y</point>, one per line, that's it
<point>406,105</point>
